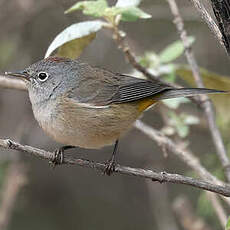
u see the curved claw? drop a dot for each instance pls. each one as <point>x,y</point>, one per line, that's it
<point>58,157</point>
<point>110,167</point>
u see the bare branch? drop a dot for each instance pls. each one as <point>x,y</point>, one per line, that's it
<point>119,37</point>
<point>12,83</point>
<point>182,153</point>
<point>144,173</point>
<point>187,216</point>
<point>207,105</point>
<point>14,181</point>
<point>162,205</point>
<point>220,212</point>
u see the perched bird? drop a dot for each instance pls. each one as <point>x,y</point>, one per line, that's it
<point>90,107</point>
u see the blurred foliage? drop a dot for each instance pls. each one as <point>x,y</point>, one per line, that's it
<point>179,123</point>
<point>7,48</point>
<point>215,81</point>
<point>227,227</point>
<point>206,211</point>
<point>204,206</point>
<point>3,171</point>
<point>71,42</point>
<point>173,51</point>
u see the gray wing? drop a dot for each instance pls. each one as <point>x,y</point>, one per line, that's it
<point>103,87</point>
<point>132,89</point>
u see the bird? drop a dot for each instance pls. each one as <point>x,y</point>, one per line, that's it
<point>79,105</point>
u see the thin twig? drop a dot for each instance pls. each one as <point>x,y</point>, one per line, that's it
<point>209,21</point>
<point>182,153</point>
<point>12,83</point>
<point>159,206</point>
<point>187,215</point>
<point>207,105</point>
<point>119,37</point>
<point>144,173</point>
<point>186,156</point>
<point>220,212</point>
<point>14,181</point>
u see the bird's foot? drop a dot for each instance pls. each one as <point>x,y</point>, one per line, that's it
<point>58,157</point>
<point>110,167</point>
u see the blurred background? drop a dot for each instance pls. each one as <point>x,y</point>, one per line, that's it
<point>70,197</point>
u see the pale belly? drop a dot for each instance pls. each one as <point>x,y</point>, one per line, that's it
<point>87,127</point>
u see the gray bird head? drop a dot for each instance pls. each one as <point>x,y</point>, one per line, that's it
<point>49,78</point>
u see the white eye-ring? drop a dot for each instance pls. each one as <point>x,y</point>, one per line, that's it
<point>43,76</point>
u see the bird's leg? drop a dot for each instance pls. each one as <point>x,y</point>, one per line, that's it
<point>111,163</point>
<point>59,155</point>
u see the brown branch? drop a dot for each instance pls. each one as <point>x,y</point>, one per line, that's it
<point>162,205</point>
<point>207,105</point>
<point>187,216</point>
<point>182,153</point>
<point>14,181</point>
<point>12,83</point>
<point>210,22</point>
<point>144,173</point>
<point>219,210</point>
<point>119,37</point>
<point>186,156</point>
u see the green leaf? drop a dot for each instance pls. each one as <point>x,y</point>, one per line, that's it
<point>175,102</point>
<point>168,130</point>
<point>227,227</point>
<point>74,48</point>
<point>182,130</point>
<point>132,13</point>
<point>76,37</point>
<point>149,60</point>
<point>126,3</point>
<point>191,120</point>
<point>177,122</point>
<point>181,122</point>
<point>170,76</point>
<point>92,8</point>
<point>173,51</point>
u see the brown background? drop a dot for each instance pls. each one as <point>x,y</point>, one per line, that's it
<point>76,198</point>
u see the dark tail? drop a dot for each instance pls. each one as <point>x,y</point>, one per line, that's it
<point>186,92</point>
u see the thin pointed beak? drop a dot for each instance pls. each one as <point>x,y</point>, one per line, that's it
<point>21,74</point>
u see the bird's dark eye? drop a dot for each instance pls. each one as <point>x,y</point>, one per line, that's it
<point>42,76</point>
